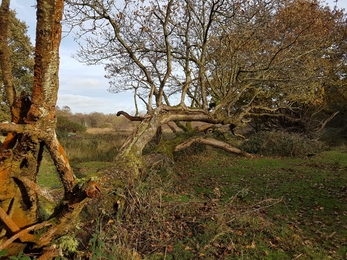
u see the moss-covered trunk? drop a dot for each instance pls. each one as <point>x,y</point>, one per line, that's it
<point>129,159</point>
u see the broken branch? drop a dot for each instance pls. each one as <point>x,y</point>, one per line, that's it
<point>211,142</point>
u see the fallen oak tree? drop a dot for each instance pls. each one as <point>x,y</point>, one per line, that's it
<point>188,115</point>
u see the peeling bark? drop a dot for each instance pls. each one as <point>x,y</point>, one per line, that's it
<point>32,128</point>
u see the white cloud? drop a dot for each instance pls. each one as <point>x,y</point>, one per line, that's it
<point>87,104</point>
<point>81,83</point>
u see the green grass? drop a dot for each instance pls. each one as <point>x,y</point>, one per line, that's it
<point>213,205</point>
<point>283,207</point>
<point>49,178</point>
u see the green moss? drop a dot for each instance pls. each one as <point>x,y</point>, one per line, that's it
<point>167,146</point>
<point>67,243</point>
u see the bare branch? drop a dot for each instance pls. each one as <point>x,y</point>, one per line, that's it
<point>24,236</point>
<point>35,187</point>
<point>24,232</point>
<point>211,142</point>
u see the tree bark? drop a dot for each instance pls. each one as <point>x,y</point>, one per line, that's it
<point>32,128</point>
<point>211,142</point>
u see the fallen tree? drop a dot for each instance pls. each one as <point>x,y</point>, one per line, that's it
<point>207,58</point>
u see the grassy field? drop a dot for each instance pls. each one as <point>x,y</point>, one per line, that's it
<point>213,205</point>
<point>268,208</point>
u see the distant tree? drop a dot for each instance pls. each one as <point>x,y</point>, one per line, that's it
<point>63,111</point>
<point>66,110</point>
<point>22,60</point>
<point>65,125</point>
<point>96,119</point>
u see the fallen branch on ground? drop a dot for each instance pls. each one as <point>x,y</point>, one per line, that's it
<point>211,142</point>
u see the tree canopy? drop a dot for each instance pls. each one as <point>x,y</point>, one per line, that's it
<point>22,60</point>
<point>248,58</point>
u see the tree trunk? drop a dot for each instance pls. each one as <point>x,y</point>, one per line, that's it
<point>32,128</point>
<point>20,156</point>
<point>129,159</point>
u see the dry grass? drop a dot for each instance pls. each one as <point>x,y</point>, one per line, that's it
<point>96,130</point>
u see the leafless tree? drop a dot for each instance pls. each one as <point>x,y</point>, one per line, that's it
<point>244,59</point>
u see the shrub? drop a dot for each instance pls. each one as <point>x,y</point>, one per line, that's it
<point>334,137</point>
<point>282,144</point>
<point>91,147</point>
<point>64,124</point>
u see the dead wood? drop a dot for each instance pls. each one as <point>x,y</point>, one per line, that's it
<point>35,187</point>
<point>6,219</point>
<point>205,128</point>
<point>131,118</point>
<point>211,142</point>
<point>23,233</point>
<point>173,129</point>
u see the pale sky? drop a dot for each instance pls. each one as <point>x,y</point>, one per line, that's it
<point>84,88</point>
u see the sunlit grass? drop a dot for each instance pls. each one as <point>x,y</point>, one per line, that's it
<point>213,205</point>
<point>307,222</point>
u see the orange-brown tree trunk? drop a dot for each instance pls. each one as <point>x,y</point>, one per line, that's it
<point>32,128</point>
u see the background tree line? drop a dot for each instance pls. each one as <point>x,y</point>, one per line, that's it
<point>67,121</point>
